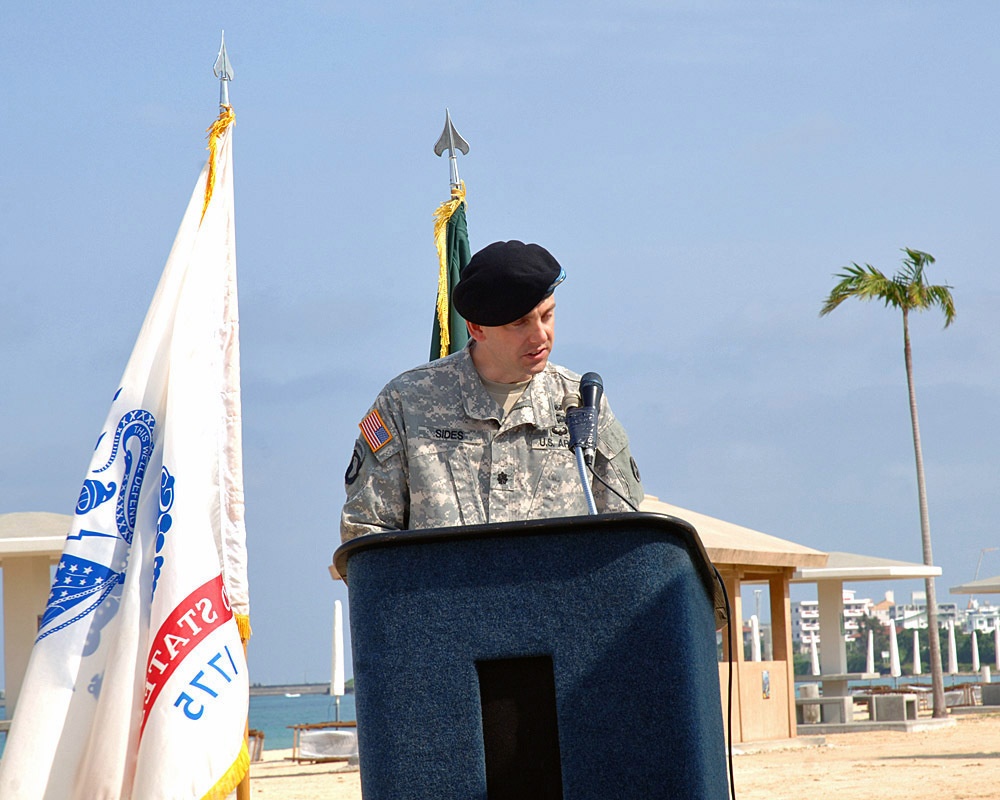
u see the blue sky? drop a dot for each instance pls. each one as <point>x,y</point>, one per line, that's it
<point>700,170</point>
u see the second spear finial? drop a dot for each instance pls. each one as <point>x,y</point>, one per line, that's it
<point>451,140</point>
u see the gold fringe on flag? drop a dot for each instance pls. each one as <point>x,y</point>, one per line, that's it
<point>232,777</point>
<point>243,625</point>
<point>226,118</point>
<point>441,217</point>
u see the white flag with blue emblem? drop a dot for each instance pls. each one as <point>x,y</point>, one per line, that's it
<point>137,685</point>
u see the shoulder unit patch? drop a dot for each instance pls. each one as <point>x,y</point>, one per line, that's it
<point>374,431</point>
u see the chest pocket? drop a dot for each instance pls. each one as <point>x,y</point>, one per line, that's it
<point>556,490</point>
<point>444,481</point>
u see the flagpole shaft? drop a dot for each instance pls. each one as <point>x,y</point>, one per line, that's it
<point>243,787</point>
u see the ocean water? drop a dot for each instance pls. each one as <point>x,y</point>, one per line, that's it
<point>950,681</point>
<point>272,714</point>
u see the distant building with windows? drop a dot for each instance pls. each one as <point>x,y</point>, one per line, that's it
<point>805,623</point>
<point>805,616</point>
<point>981,617</point>
<point>805,619</point>
<point>914,614</point>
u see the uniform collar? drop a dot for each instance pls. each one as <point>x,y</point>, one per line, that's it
<point>534,408</point>
<point>478,403</point>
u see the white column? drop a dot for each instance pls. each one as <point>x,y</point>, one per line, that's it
<point>26,584</point>
<point>832,650</point>
<point>894,669</point>
<point>337,664</point>
<point>337,670</point>
<point>952,652</point>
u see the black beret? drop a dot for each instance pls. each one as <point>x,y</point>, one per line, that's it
<point>504,281</point>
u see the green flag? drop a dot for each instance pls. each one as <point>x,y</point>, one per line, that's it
<point>452,238</point>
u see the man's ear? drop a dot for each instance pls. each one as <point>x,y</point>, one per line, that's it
<point>475,331</point>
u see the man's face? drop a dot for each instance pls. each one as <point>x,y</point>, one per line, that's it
<point>514,352</point>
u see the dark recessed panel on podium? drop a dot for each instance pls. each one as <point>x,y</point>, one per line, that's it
<point>568,658</point>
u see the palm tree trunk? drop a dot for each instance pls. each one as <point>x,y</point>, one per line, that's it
<point>933,632</point>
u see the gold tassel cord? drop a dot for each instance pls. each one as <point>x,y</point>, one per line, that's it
<point>243,625</point>
<point>226,118</point>
<point>441,218</point>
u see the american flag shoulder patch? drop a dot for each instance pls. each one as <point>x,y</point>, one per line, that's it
<point>374,431</point>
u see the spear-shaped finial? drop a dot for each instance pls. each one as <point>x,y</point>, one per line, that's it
<point>223,70</point>
<point>451,140</point>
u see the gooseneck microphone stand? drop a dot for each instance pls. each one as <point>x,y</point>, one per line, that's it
<point>581,467</point>
<point>582,423</point>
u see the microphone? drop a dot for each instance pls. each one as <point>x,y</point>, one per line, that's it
<point>582,421</point>
<point>591,390</point>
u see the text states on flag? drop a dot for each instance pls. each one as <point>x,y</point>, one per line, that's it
<point>192,622</point>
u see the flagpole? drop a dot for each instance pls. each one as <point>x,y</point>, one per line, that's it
<point>223,70</point>
<point>451,238</point>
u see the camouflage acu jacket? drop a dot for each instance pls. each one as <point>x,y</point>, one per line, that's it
<point>436,451</point>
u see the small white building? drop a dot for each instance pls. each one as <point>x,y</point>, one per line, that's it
<point>883,610</point>
<point>914,614</point>
<point>981,617</point>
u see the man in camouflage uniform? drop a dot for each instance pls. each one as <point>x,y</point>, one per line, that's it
<point>481,436</point>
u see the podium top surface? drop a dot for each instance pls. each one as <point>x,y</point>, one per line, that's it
<point>605,524</point>
<point>558,526</point>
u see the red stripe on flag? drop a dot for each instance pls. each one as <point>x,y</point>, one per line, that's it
<point>203,611</point>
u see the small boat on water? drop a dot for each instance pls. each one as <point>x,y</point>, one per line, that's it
<point>293,694</point>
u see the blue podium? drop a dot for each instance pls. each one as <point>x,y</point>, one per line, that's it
<point>565,658</point>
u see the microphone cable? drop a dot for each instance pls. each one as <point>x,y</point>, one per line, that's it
<point>611,488</point>
<point>729,687</point>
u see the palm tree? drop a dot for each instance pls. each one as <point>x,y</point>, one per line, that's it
<point>908,291</point>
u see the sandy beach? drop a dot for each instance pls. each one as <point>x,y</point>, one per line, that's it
<point>276,776</point>
<point>961,761</point>
<point>958,762</point>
